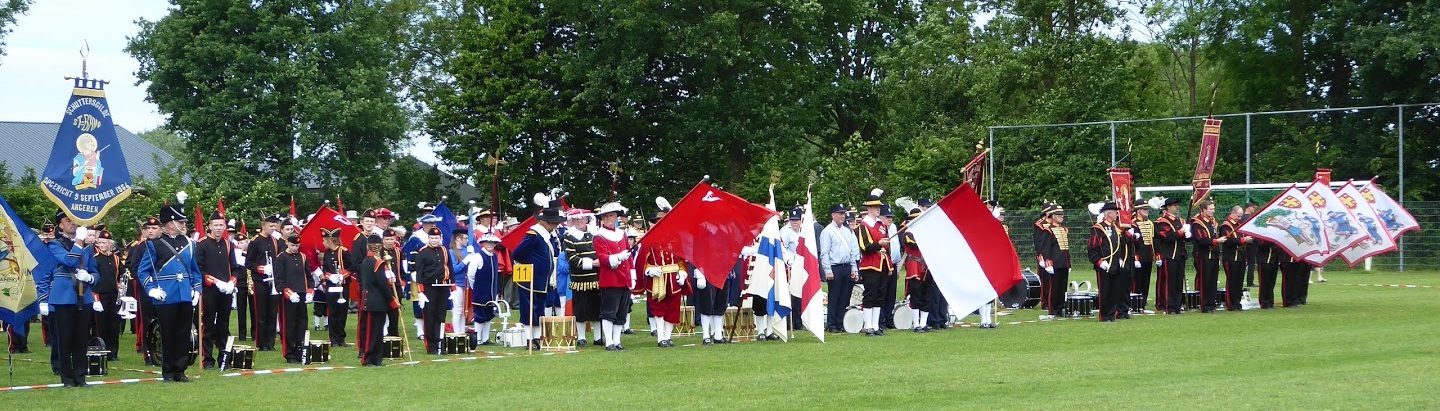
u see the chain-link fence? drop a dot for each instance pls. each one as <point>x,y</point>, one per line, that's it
<point>1420,250</point>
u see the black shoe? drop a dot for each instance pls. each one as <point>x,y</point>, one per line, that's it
<point>580,342</point>
<point>487,342</point>
<point>112,357</point>
<point>652,333</point>
<point>879,332</point>
<point>610,348</point>
<point>627,331</point>
<point>707,342</point>
<point>1123,316</point>
<point>180,377</point>
<point>868,332</point>
<point>619,347</point>
<point>598,342</point>
<point>535,344</point>
<point>722,341</point>
<point>774,337</point>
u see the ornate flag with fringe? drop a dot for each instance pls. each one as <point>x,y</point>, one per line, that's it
<point>1205,163</point>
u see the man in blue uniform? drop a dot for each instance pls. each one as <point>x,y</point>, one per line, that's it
<point>170,277</point>
<point>65,297</point>
<point>539,250</point>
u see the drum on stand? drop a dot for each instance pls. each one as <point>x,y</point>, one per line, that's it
<point>455,343</point>
<point>739,324</point>
<point>1192,300</point>
<point>903,314</point>
<point>1219,298</point>
<point>391,348</point>
<point>686,327</point>
<point>242,357</point>
<point>1079,304</point>
<point>318,351</point>
<point>558,333</point>
<point>1025,294</point>
<point>1137,303</point>
<point>854,319</point>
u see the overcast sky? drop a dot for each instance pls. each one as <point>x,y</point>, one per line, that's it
<point>45,47</point>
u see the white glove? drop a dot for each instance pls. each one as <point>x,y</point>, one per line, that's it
<point>471,259</point>
<point>632,279</point>
<point>1050,270</point>
<point>317,274</point>
<point>623,255</point>
<point>309,298</point>
<point>275,235</point>
<point>1186,228</point>
<point>228,287</point>
<point>1159,262</point>
<point>294,298</point>
<point>157,294</point>
<point>81,233</point>
<point>194,298</point>
<point>336,278</point>
<point>699,279</point>
<point>652,272</point>
<point>1137,264</point>
<point>680,277</point>
<point>239,259</point>
<point>84,276</point>
<point>44,309</point>
<point>588,263</point>
<point>267,269</point>
<point>1104,265</point>
<point>389,275</point>
<point>99,307</point>
<point>422,299</point>
<point>747,251</point>
<point>340,301</point>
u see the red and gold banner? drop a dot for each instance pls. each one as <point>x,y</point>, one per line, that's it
<point>974,171</point>
<point>1205,164</point>
<point>1122,189</point>
<point>1322,176</point>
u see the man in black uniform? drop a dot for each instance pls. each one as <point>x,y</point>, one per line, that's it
<point>1143,239</point>
<point>1052,249</point>
<point>1296,278</point>
<point>1268,262</point>
<point>259,259</point>
<point>1171,234</point>
<point>296,290</point>
<point>240,241</point>
<point>432,271</point>
<point>216,258</point>
<point>335,274</point>
<point>377,297</point>
<point>1233,258</point>
<point>146,326</point>
<point>391,254</point>
<point>1207,239</point>
<point>1109,254</point>
<point>109,281</point>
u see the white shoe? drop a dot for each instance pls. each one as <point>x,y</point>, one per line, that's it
<point>1046,317</point>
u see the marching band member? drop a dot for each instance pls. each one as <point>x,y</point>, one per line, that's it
<point>1295,278</point>
<point>335,273</point>
<point>390,252</point>
<point>1052,248</point>
<point>1109,253</point>
<point>377,295</point>
<point>418,240</point>
<point>1207,257</point>
<point>1233,256</point>
<point>839,253</point>
<point>539,250</point>
<point>584,275</point>
<point>216,258</point>
<point>66,298</point>
<point>916,276</point>
<point>887,306</point>
<point>1268,260</point>
<point>1171,234</point>
<point>874,244</point>
<point>665,285</point>
<point>110,283</point>
<point>459,251</point>
<point>432,271</point>
<point>484,274</point>
<point>634,233</point>
<point>260,258</point>
<point>615,274</point>
<point>1143,235</point>
<point>147,324</point>
<point>238,244</point>
<point>296,289</point>
<point>172,280</point>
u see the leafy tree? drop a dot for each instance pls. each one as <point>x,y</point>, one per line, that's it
<point>8,10</point>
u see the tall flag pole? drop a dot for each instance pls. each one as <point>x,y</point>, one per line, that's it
<point>86,174</point>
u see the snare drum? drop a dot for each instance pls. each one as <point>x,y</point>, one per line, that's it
<point>242,357</point>
<point>903,315</point>
<point>454,343</point>
<point>686,327</point>
<point>1080,305</point>
<point>854,320</point>
<point>319,352</point>
<point>1192,300</point>
<point>1137,303</point>
<point>739,324</point>
<point>392,348</point>
<point>1219,300</point>
<point>97,362</point>
<point>558,333</point>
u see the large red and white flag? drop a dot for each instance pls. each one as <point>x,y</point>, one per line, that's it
<point>805,276</point>
<point>1290,222</point>
<point>1397,220</point>
<point>708,228</point>
<point>1379,242</point>
<point>1342,230</point>
<point>966,249</point>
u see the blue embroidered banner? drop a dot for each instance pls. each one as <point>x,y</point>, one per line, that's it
<point>86,174</point>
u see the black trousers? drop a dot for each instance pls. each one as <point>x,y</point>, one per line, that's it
<point>338,315</point>
<point>887,308</point>
<point>72,331</point>
<point>1267,284</point>
<point>1206,281</point>
<point>266,313</point>
<point>175,343</point>
<point>939,307</point>
<point>107,324</point>
<point>1058,283</point>
<point>1234,284</point>
<point>1124,274</point>
<point>615,304</point>
<point>1113,291</point>
<point>242,313</point>
<point>839,293</point>
<point>147,320</point>
<point>217,323</point>
<point>1295,276</point>
<point>1140,283</point>
<point>919,293</point>
<point>292,328</point>
<point>1172,285</point>
<point>371,323</point>
<point>392,317</point>
<point>435,316</point>
<point>874,294</point>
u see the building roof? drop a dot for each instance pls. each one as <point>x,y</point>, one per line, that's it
<point>28,144</point>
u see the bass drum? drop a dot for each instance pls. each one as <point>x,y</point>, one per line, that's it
<point>854,320</point>
<point>904,315</point>
<point>1025,294</point>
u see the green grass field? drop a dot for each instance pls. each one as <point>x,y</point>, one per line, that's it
<point>1352,347</point>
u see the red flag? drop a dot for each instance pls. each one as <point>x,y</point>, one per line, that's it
<point>292,207</point>
<point>1205,164</point>
<point>974,171</point>
<point>1122,190</point>
<point>201,224</point>
<point>243,229</point>
<point>220,206</point>
<point>708,228</point>
<point>311,240</point>
<point>1322,176</point>
<point>512,239</point>
<point>967,250</point>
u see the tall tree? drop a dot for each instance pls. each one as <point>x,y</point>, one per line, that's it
<point>8,10</point>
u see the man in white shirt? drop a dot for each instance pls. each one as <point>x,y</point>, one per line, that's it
<point>840,252</point>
